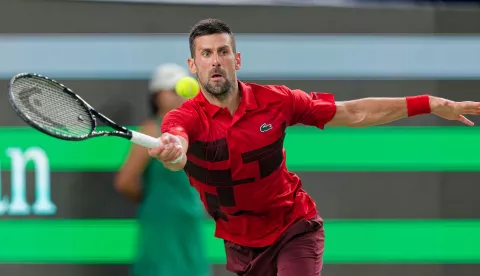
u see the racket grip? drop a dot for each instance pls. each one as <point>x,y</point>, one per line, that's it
<point>149,142</point>
<point>145,140</point>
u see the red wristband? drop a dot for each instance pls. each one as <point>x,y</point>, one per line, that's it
<point>417,105</point>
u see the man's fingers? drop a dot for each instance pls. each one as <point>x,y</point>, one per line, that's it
<point>470,107</point>
<point>173,140</point>
<point>470,111</point>
<point>170,155</point>
<point>470,104</point>
<point>175,153</point>
<point>165,142</point>
<point>154,152</point>
<point>169,140</point>
<point>464,120</point>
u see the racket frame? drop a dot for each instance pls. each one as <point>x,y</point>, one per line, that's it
<point>119,131</point>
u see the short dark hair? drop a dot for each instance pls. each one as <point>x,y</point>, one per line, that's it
<point>208,27</point>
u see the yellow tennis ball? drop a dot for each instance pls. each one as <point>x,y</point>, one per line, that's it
<point>187,87</point>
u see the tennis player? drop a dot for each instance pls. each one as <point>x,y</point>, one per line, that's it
<point>229,140</point>
<point>170,214</point>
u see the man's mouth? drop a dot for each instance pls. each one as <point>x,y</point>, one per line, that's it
<point>216,76</point>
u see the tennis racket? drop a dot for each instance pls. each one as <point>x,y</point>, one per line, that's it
<point>56,110</point>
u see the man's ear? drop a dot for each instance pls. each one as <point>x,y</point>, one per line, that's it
<point>238,61</point>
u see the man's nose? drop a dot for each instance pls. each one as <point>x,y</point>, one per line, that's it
<point>215,60</point>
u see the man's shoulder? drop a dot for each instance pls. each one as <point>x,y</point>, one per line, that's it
<point>269,92</point>
<point>268,88</point>
<point>282,92</point>
<point>189,110</point>
<point>189,106</point>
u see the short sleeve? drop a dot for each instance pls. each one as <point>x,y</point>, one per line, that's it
<point>313,109</point>
<point>181,122</point>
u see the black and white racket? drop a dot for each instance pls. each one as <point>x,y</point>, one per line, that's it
<point>56,110</point>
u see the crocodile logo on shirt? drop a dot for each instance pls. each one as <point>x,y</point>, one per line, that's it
<point>265,127</point>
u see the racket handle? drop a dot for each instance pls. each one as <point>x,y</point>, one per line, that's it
<point>149,142</point>
<point>145,140</point>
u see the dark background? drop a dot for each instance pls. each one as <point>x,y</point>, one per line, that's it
<point>379,195</point>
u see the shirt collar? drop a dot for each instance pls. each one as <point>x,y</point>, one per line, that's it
<point>247,102</point>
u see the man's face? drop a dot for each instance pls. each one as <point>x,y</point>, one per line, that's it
<point>215,63</point>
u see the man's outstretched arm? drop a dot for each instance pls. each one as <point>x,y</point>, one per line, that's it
<point>178,126</point>
<point>376,111</point>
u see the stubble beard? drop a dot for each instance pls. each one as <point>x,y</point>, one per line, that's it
<point>218,91</point>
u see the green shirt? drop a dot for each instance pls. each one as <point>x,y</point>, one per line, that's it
<point>171,239</point>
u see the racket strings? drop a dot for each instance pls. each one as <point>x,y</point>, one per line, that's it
<point>51,108</point>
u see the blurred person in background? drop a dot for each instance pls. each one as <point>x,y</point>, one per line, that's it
<point>170,216</point>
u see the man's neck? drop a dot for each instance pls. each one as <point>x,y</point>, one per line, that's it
<point>231,100</point>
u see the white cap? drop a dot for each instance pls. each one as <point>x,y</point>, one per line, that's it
<point>166,76</point>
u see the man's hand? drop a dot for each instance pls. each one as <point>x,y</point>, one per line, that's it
<point>170,150</point>
<point>451,110</point>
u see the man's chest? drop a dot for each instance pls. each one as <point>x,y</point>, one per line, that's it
<point>241,137</point>
<point>231,157</point>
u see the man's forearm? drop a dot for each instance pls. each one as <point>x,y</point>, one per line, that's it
<point>376,111</point>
